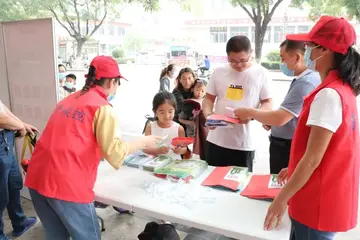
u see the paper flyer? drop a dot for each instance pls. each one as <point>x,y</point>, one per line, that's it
<point>273,182</point>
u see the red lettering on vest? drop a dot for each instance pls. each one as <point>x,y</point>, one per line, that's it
<point>66,157</point>
<point>329,200</point>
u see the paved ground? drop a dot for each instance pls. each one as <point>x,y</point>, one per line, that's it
<point>132,102</point>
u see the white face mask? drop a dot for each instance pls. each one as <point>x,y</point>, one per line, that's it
<point>69,85</point>
<point>311,64</point>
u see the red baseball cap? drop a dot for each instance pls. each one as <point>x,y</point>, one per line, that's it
<point>106,67</point>
<point>333,33</point>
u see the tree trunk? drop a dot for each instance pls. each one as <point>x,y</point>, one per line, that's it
<point>80,44</point>
<point>259,40</point>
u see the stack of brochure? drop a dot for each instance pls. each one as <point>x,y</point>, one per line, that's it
<point>217,120</point>
<point>182,169</point>
<point>231,178</point>
<point>138,159</point>
<point>262,187</point>
<point>157,163</point>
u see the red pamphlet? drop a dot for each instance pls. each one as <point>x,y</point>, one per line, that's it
<point>261,187</point>
<point>219,117</point>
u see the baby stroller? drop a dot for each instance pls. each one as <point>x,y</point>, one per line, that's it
<point>30,142</point>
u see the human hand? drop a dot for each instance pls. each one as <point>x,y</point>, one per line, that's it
<point>195,113</point>
<point>21,132</point>
<point>266,127</point>
<point>179,150</point>
<point>243,113</point>
<point>150,141</point>
<point>163,150</point>
<point>275,214</point>
<point>31,129</point>
<point>282,176</point>
<point>244,121</point>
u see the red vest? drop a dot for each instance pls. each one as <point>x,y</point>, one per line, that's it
<point>66,157</point>
<point>329,200</point>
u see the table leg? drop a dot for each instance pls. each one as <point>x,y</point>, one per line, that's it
<point>102,223</point>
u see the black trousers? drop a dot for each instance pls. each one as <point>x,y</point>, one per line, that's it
<point>279,154</point>
<point>223,157</point>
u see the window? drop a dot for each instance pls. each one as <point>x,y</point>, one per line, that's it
<point>111,30</point>
<point>290,30</point>
<point>121,31</point>
<point>234,31</point>
<point>303,29</point>
<point>218,34</point>
<point>267,37</point>
<point>278,34</point>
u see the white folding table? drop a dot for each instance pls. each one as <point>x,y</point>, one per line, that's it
<point>230,214</point>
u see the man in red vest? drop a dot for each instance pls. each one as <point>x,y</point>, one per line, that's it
<point>323,175</point>
<point>82,129</point>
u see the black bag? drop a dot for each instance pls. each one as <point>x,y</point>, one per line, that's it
<point>155,231</point>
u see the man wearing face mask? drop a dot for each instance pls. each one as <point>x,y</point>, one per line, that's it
<point>283,121</point>
<point>62,172</point>
<point>69,86</point>
<point>61,74</point>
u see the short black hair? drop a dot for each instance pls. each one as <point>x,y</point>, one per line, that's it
<point>61,65</point>
<point>293,45</point>
<point>71,75</point>
<point>206,56</point>
<point>239,43</point>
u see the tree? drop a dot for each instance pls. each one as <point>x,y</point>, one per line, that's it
<point>351,8</point>
<point>260,12</point>
<point>80,18</point>
<point>133,42</point>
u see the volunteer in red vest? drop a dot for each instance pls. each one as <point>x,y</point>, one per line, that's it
<point>82,129</point>
<point>323,175</point>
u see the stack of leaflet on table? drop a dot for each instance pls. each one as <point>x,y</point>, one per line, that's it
<point>262,187</point>
<point>157,163</point>
<point>138,159</point>
<point>217,120</point>
<point>231,178</point>
<point>182,169</point>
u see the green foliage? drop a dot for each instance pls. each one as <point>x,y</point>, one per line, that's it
<point>273,56</point>
<point>350,8</point>
<point>260,13</point>
<point>133,42</point>
<point>271,65</point>
<point>118,53</point>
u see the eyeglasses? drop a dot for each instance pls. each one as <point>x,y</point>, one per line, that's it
<point>234,62</point>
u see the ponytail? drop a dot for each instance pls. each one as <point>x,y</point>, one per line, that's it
<point>90,79</point>
<point>348,66</point>
<point>163,72</point>
<point>167,69</point>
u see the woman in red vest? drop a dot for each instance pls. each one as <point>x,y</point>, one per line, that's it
<point>82,129</point>
<point>323,175</point>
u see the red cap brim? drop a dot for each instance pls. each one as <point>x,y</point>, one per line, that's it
<point>304,37</point>
<point>119,77</point>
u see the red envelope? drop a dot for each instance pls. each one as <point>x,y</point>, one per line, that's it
<point>182,141</point>
<point>258,188</point>
<point>219,117</point>
<point>217,179</point>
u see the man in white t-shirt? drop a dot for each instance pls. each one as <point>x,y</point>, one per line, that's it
<point>242,83</point>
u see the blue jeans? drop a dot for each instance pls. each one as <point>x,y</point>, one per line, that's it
<point>62,220</point>
<point>10,184</point>
<point>301,232</point>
